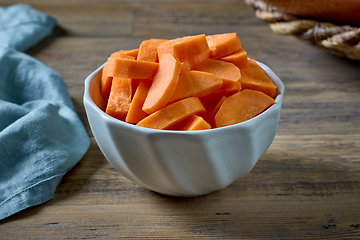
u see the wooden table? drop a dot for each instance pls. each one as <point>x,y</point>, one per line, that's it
<point>306,186</point>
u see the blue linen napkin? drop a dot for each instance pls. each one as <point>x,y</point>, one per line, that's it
<point>21,26</point>
<point>41,136</point>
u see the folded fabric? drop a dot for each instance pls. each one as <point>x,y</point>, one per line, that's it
<point>41,136</point>
<point>21,26</point>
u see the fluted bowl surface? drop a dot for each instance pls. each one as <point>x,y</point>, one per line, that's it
<point>181,163</point>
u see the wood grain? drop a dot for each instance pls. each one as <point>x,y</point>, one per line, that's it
<point>306,186</point>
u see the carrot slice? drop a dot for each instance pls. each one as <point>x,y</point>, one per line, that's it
<point>105,86</point>
<point>163,85</point>
<point>129,68</point>
<point>187,83</point>
<point>136,113</point>
<point>172,114</point>
<point>254,77</point>
<point>194,123</point>
<point>120,98</point>
<point>223,44</point>
<point>148,50</point>
<point>211,118</point>
<point>185,47</point>
<point>133,53</point>
<point>135,84</point>
<point>106,78</point>
<point>195,84</point>
<point>228,72</point>
<point>217,95</point>
<point>242,106</point>
<point>238,58</point>
<point>190,62</point>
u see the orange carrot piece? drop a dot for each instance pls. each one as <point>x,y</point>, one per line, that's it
<point>238,58</point>
<point>185,47</point>
<point>128,68</point>
<point>217,95</point>
<point>172,114</point>
<point>189,63</point>
<point>120,98</point>
<point>223,44</point>
<point>106,78</point>
<point>242,106</point>
<point>148,50</point>
<point>105,85</point>
<point>195,84</point>
<point>136,113</point>
<point>232,87</point>
<point>254,77</point>
<point>163,85</point>
<point>211,118</point>
<point>228,72</point>
<point>194,123</point>
<point>133,53</point>
<point>188,83</point>
<point>185,66</point>
<point>135,84</point>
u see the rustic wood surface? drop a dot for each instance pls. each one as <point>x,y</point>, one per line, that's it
<point>306,186</point>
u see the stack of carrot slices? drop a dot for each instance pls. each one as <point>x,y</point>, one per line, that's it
<point>189,83</point>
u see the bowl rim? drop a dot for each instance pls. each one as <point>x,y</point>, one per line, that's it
<point>278,102</point>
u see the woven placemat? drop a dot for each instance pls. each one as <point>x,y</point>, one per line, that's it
<point>341,40</point>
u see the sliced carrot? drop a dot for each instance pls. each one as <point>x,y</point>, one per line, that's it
<point>242,106</point>
<point>204,83</point>
<point>231,87</point>
<point>211,118</point>
<point>238,58</point>
<point>223,44</point>
<point>254,77</point>
<point>228,72</point>
<point>188,83</point>
<point>106,78</point>
<point>105,85</point>
<point>172,114</point>
<point>217,95</point>
<point>133,53</point>
<point>195,84</point>
<point>135,84</point>
<point>122,54</point>
<point>163,85</point>
<point>136,113</point>
<point>194,123</point>
<point>213,97</point>
<point>185,66</point>
<point>148,50</point>
<point>128,68</point>
<point>190,62</point>
<point>185,47</point>
<point>120,97</point>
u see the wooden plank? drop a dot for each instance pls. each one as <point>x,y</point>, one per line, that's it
<point>87,18</point>
<point>176,219</point>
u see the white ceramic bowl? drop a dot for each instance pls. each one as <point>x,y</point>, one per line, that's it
<point>181,163</point>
